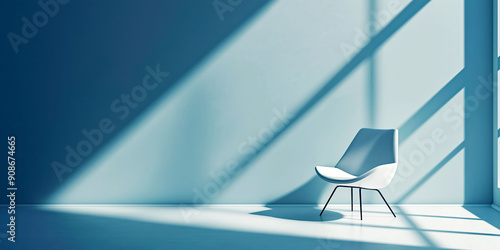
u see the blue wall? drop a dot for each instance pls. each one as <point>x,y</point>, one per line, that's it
<point>496,55</point>
<point>257,93</point>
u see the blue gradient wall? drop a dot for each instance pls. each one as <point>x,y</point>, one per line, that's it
<point>248,97</point>
<point>496,55</point>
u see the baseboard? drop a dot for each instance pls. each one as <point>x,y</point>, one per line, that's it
<point>495,207</point>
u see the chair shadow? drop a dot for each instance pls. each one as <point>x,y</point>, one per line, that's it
<point>299,213</point>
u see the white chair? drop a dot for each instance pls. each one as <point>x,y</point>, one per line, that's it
<point>370,162</point>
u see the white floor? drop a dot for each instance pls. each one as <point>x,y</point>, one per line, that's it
<point>271,227</point>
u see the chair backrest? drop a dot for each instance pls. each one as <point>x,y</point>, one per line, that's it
<point>370,148</point>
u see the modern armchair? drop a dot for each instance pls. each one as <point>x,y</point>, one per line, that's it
<point>370,162</point>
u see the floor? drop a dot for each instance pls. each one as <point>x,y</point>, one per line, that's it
<point>254,227</point>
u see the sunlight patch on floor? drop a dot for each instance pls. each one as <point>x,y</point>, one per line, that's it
<point>427,226</point>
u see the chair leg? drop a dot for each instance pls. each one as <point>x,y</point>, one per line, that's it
<point>328,201</point>
<point>386,202</point>
<point>360,205</point>
<point>351,199</point>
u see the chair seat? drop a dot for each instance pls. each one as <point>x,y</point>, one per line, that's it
<point>335,175</point>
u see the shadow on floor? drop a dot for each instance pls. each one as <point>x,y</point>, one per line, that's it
<point>38,229</point>
<point>305,213</point>
<point>485,214</point>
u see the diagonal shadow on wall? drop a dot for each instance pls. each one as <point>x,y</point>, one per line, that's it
<point>477,158</point>
<point>466,79</point>
<point>312,188</point>
<point>91,54</point>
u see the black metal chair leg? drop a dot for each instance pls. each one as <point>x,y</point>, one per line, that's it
<point>360,201</point>
<point>328,201</point>
<point>360,205</point>
<point>386,202</point>
<point>351,199</point>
